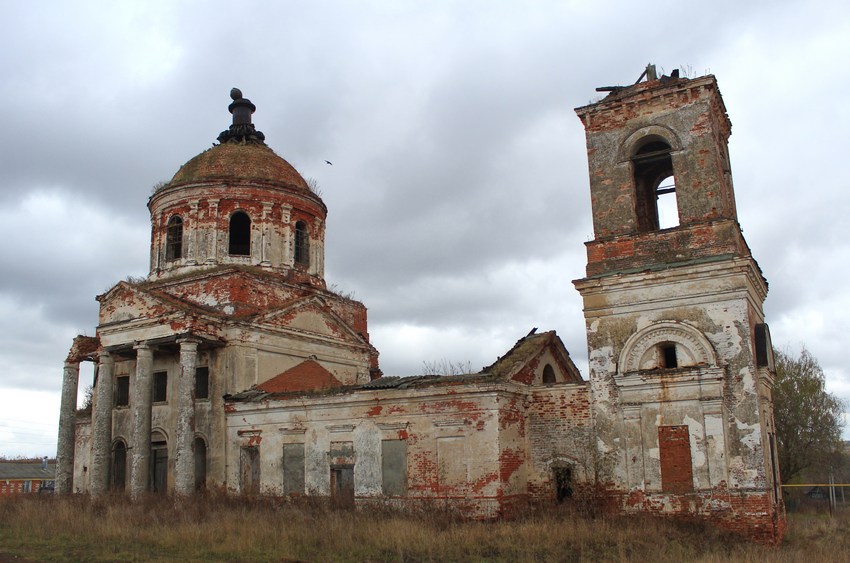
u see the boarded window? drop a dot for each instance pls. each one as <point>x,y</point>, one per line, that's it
<point>202,383</point>
<point>240,234</point>
<point>676,468</point>
<point>394,467</point>
<point>302,244</point>
<point>249,470</point>
<point>160,387</point>
<point>122,391</point>
<point>451,463</point>
<point>293,469</point>
<point>174,239</point>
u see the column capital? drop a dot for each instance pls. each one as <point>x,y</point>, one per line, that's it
<point>75,365</point>
<point>143,345</point>
<point>105,358</point>
<point>188,341</point>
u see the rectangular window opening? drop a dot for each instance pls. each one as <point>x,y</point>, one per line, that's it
<point>122,391</point>
<point>160,387</point>
<point>669,359</point>
<point>202,383</point>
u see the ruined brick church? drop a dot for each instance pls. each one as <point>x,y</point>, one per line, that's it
<point>233,367</point>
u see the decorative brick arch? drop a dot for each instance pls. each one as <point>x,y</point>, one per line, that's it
<point>692,347</point>
<point>647,134</point>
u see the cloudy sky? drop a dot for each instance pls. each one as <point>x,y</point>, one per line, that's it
<point>458,196</point>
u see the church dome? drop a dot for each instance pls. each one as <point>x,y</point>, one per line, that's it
<point>231,161</point>
<point>238,204</point>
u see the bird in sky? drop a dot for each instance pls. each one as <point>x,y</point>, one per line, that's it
<point>329,162</point>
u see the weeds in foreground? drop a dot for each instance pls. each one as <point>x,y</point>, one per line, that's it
<point>223,528</point>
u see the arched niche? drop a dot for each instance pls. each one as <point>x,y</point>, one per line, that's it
<point>666,345</point>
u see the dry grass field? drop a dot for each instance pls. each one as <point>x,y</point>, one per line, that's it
<point>233,529</point>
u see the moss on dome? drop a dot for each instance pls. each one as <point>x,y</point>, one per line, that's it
<point>239,162</point>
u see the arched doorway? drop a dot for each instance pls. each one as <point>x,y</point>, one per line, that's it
<point>200,452</point>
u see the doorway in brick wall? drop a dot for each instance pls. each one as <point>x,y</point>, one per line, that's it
<point>563,478</point>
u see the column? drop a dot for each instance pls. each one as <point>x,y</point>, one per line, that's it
<point>191,236</point>
<point>184,466</point>
<point>67,426</point>
<point>212,221</point>
<point>102,432</point>
<point>141,395</point>
<point>266,235</point>
<point>287,256</point>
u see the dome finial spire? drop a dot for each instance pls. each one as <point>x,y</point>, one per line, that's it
<point>241,131</point>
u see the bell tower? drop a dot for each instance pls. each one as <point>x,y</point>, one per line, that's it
<point>681,366</point>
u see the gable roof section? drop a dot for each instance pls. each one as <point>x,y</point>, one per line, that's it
<point>517,364</point>
<point>309,375</point>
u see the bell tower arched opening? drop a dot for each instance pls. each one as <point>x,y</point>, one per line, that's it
<point>655,187</point>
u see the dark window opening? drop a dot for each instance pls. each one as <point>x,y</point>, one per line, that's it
<point>174,239</point>
<point>119,467</point>
<point>122,391</point>
<point>302,244</point>
<point>764,348</point>
<point>160,387</point>
<point>200,453</point>
<point>548,375</point>
<point>655,188</point>
<point>668,356</point>
<point>159,467</point>
<point>202,383</point>
<point>240,234</point>
<point>563,483</point>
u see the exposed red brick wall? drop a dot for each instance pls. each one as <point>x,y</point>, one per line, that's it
<point>674,444</point>
<point>640,251</point>
<point>306,376</point>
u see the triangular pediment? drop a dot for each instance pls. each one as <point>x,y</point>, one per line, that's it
<point>312,315</point>
<point>125,302</point>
